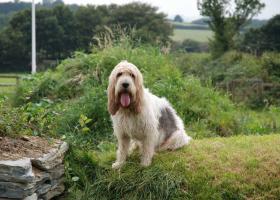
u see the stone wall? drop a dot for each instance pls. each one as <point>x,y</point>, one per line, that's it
<point>34,178</point>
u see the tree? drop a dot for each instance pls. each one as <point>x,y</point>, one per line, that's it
<point>90,19</point>
<point>266,38</point>
<point>15,42</point>
<point>178,18</point>
<point>60,30</point>
<point>14,55</point>
<point>150,25</point>
<point>55,34</point>
<point>225,23</point>
<point>271,32</point>
<point>49,35</point>
<point>68,23</point>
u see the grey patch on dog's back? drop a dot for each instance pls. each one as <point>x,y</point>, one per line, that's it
<point>167,122</point>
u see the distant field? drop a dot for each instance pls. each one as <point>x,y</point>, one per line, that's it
<point>5,80</point>
<point>187,25</point>
<point>197,35</point>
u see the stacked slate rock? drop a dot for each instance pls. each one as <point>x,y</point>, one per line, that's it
<point>34,178</point>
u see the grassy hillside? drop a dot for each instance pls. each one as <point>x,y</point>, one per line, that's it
<point>243,167</point>
<point>78,87</point>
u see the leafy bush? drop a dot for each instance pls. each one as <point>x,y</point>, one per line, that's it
<point>189,45</point>
<point>271,63</point>
<point>235,67</point>
<point>29,119</point>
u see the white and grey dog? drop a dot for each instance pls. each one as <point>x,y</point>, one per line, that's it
<point>141,119</point>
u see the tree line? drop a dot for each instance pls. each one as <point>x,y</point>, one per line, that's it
<point>227,22</point>
<point>61,30</point>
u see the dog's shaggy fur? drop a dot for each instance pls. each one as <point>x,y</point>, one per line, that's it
<point>141,119</point>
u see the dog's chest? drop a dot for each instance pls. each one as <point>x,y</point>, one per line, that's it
<point>132,125</point>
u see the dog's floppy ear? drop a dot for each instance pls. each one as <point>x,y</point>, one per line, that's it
<point>113,105</point>
<point>139,92</point>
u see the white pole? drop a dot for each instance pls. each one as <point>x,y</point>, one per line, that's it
<point>33,39</point>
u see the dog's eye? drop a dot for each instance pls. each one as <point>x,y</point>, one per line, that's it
<point>132,75</point>
<point>119,74</point>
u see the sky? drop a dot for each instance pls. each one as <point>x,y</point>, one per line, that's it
<point>185,8</point>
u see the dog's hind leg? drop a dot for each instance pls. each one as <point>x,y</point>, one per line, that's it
<point>176,140</point>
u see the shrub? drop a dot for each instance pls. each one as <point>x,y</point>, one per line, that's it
<point>237,68</point>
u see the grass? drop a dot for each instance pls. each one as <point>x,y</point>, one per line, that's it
<point>197,35</point>
<point>240,167</point>
<point>7,89</point>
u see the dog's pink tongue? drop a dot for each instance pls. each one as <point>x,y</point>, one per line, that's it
<point>125,100</point>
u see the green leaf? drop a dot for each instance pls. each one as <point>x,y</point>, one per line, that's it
<point>85,129</point>
<point>83,117</point>
<point>75,178</point>
<point>81,122</point>
<point>87,121</point>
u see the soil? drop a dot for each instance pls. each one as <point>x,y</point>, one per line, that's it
<point>29,147</point>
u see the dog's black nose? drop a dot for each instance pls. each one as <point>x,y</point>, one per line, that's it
<point>125,85</point>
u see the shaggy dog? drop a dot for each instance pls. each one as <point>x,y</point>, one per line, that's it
<point>141,119</point>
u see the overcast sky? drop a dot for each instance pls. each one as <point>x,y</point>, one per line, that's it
<point>186,8</point>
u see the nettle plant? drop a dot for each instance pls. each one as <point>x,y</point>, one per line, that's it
<point>83,122</point>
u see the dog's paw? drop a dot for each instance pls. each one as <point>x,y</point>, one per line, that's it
<point>117,165</point>
<point>146,163</point>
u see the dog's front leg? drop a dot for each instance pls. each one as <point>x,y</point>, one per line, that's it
<point>148,149</point>
<point>122,152</point>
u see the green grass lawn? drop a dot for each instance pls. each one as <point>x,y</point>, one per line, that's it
<point>240,167</point>
<point>197,35</point>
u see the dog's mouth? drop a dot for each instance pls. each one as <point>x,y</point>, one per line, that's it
<point>125,99</point>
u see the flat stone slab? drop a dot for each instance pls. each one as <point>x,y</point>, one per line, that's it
<point>31,197</point>
<point>33,176</point>
<point>52,159</point>
<point>16,190</point>
<point>19,171</point>
<point>54,192</point>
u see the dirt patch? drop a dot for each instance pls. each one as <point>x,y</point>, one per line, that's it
<point>30,147</point>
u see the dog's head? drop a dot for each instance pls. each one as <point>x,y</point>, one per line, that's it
<point>125,88</point>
